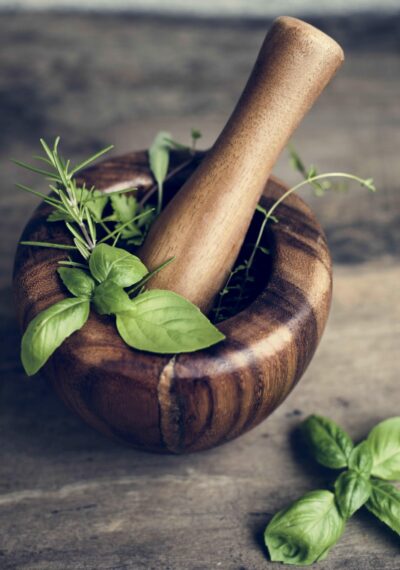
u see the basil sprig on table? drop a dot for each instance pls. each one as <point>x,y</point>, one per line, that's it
<point>156,321</point>
<point>304,532</point>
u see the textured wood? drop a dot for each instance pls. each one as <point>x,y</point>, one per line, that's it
<point>195,401</point>
<point>205,224</point>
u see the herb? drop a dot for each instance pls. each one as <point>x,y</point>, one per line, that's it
<point>237,291</point>
<point>159,161</point>
<point>48,330</point>
<point>77,281</point>
<point>384,443</point>
<point>116,265</point>
<point>352,491</point>
<point>164,322</point>
<point>330,445</point>
<point>96,222</point>
<point>384,503</point>
<point>304,532</point>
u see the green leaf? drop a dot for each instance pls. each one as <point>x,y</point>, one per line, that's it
<point>304,532</point>
<point>159,162</point>
<point>110,298</point>
<point>49,329</point>
<point>384,503</point>
<point>59,216</point>
<point>195,134</point>
<point>48,244</point>
<point>77,281</point>
<point>124,206</point>
<point>164,322</point>
<point>352,490</point>
<point>360,459</point>
<point>115,264</point>
<point>159,156</point>
<point>329,443</point>
<point>384,443</point>
<point>94,200</point>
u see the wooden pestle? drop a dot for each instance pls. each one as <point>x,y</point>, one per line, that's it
<point>205,224</point>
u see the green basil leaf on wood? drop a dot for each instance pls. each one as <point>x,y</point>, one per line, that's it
<point>49,329</point>
<point>328,442</point>
<point>384,443</point>
<point>360,459</point>
<point>352,491</point>
<point>304,532</point>
<point>164,322</point>
<point>110,298</point>
<point>116,264</point>
<point>77,281</point>
<point>384,503</point>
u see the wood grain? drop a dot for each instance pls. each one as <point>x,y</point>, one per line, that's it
<point>196,401</point>
<point>294,65</point>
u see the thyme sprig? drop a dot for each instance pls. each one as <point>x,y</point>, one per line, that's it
<point>237,291</point>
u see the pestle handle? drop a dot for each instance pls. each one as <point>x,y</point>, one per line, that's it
<point>204,225</point>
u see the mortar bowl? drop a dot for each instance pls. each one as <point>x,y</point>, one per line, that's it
<point>189,402</point>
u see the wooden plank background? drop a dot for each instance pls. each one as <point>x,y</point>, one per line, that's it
<point>70,499</point>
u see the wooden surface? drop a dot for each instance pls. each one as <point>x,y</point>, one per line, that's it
<point>187,402</point>
<point>69,498</point>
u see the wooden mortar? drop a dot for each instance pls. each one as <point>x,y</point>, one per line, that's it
<point>192,401</point>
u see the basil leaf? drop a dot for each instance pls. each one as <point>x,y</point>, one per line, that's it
<point>159,156</point>
<point>49,329</point>
<point>110,298</point>
<point>164,322</point>
<point>360,459</point>
<point>384,503</point>
<point>115,264</point>
<point>352,490</point>
<point>384,443</point>
<point>304,532</point>
<point>329,443</point>
<point>77,281</point>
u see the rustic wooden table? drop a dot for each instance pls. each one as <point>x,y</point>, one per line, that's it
<point>70,499</point>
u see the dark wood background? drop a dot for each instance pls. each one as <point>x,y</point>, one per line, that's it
<point>70,499</point>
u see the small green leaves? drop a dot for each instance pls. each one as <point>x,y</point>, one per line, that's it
<point>77,281</point>
<point>116,264</point>
<point>384,443</point>
<point>352,490</point>
<point>384,503</point>
<point>110,298</point>
<point>304,532</point>
<point>49,329</point>
<point>164,322</point>
<point>329,443</point>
